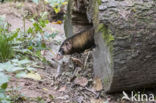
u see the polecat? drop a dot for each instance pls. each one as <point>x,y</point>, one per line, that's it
<point>77,43</point>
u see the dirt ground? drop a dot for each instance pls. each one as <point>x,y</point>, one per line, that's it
<point>64,89</point>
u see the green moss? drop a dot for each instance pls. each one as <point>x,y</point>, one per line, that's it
<point>99,2</point>
<point>107,34</point>
<point>100,27</point>
<point>108,38</point>
<point>105,81</point>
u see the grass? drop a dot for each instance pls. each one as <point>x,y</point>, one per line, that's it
<point>6,51</point>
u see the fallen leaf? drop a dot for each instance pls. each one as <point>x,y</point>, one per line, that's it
<point>97,84</point>
<point>77,61</point>
<point>63,97</point>
<point>82,81</point>
<point>62,89</point>
<point>45,89</point>
<point>92,100</point>
<point>34,76</point>
<point>31,75</point>
<point>51,97</point>
<point>58,22</point>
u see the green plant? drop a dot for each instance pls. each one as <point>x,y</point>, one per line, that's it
<point>55,4</point>
<point>6,40</point>
<point>36,42</point>
<point>6,51</point>
<point>3,86</point>
<point>15,45</point>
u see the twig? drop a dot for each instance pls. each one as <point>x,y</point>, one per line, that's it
<point>90,90</point>
<point>58,70</point>
<point>85,64</point>
<point>24,25</point>
<point>59,67</point>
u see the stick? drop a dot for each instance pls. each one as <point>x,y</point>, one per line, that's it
<point>85,64</point>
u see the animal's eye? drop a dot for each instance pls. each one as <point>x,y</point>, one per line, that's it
<point>66,43</point>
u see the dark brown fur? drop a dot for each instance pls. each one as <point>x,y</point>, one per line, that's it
<point>78,43</point>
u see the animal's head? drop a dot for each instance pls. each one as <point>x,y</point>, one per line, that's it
<point>65,48</point>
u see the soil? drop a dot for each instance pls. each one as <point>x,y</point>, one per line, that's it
<point>63,89</point>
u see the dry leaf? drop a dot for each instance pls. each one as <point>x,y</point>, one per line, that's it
<point>34,76</point>
<point>92,100</point>
<point>97,84</point>
<point>62,89</point>
<point>45,89</point>
<point>82,81</point>
<point>58,22</point>
<point>77,61</point>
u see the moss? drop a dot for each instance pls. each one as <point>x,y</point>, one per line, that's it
<point>95,10</point>
<point>105,80</point>
<point>100,27</point>
<point>99,2</point>
<point>107,34</point>
<point>108,38</point>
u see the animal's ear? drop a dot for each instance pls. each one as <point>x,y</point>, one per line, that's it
<point>68,45</point>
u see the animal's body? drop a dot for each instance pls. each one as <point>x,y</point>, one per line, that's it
<point>78,42</point>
